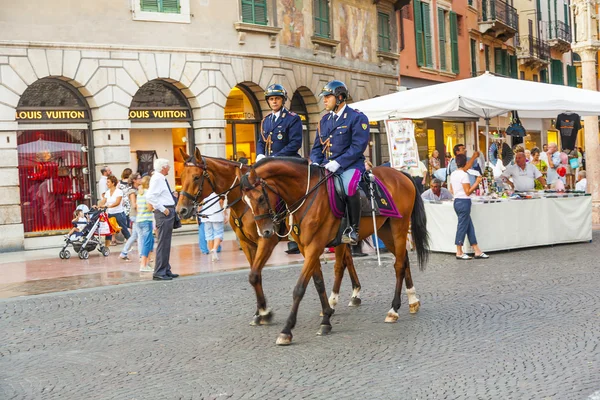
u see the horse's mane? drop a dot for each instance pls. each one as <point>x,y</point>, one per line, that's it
<point>192,159</point>
<point>294,160</point>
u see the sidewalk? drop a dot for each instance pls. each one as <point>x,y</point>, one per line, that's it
<point>42,271</point>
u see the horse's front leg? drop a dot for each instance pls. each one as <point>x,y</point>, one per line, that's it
<point>263,315</point>
<point>311,261</point>
<point>327,310</point>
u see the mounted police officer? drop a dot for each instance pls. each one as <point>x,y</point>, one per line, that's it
<point>281,130</point>
<point>342,138</point>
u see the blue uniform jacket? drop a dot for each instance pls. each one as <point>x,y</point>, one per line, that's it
<point>285,133</point>
<point>348,136</point>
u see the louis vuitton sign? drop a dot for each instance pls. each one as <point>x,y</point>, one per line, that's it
<point>159,115</point>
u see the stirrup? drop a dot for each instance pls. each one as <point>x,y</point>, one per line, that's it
<point>347,239</point>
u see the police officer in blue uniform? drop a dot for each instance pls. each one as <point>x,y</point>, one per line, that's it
<point>281,130</point>
<point>342,138</point>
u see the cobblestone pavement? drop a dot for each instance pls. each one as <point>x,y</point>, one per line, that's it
<point>521,325</point>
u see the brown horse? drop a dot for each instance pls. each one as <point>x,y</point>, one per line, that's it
<point>203,175</point>
<point>290,179</point>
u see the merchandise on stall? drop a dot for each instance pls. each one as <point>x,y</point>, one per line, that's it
<point>404,152</point>
<point>568,124</point>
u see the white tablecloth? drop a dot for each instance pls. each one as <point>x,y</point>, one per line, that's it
<point>514,224</point>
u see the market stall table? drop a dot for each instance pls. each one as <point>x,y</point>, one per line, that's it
<point>510,224</point>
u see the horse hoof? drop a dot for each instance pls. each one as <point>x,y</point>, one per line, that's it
<point>284,339</point>
<point>414,308</point>
<point>256,320</point>
<point>267,318</point>
<point>391,318</point>
<point>324,330</point>
<point>354,302</point>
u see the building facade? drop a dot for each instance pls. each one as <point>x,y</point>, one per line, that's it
<point>120,83</point>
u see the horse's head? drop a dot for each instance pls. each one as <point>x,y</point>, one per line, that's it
<point>260,197</point>
<point>193,178</point>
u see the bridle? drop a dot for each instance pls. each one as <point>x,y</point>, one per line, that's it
<point>195,199</point>
<point>279,217</point>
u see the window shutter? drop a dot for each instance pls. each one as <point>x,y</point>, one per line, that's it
<point>454,40</point>
<point>428,37</point>
<point>572,75</point>
<point>556,69</point>
<point>254,11</point>
<point>544,75</point>
<point>498,61</point>
<point>473,57</point>
<point>505,63</point>
<point>514,70</point>
<point>321,18</point>
<point>442,37</point>
<point>149,5</point>
<point>383,31</point>
<point>170,6</point>
<point>419,32</point>
<point>487,57</point>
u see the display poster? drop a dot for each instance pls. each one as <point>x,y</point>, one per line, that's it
<point>404,152</point>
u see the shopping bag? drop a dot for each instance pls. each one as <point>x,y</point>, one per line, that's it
<point>114,225</point>
<point>103,227</point>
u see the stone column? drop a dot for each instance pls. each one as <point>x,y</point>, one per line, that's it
<point>592,148</point>
<point>11,226</point>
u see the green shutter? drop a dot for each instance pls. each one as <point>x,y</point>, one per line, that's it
<point>419,33</point>
<point>498,61</point>
<point>149,5</point>
<point>571,75</point>
<point>505,63</point>
<point>539,10</point>
<point>170,6</point>
<point>321,18</point>
<point>487,57</point>
<point>473,57</point>
<point>556,69</point>
<point>566,14</point>
<point>383,31</point>
<point>428,36</point>
<point>254,11</point>
<point>544,75</point>
<point>442,37</point>
<point>514,69</point>
<point>454,41</point>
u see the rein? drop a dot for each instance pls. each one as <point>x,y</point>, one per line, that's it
<point>277,218</point>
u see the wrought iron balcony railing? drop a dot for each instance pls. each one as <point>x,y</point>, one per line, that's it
<point>559,30</point>
<point>501,11</point>
<point>534,48</point>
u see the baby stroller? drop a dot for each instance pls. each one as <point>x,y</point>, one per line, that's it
<point>88,241</point>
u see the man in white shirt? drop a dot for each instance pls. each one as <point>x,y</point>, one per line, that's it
<point>102,186</point>
<point>436,192</point>
<point>581,184</point>
<point>523,175</point>
<point>419,174</point>
<point>161,197</point>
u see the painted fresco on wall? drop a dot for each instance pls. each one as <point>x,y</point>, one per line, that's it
<point>292,22</point>
<point>355,32</point>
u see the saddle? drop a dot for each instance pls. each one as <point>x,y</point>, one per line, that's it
<point>384,204</point>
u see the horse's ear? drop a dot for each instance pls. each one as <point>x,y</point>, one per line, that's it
<point>184,154</point>
<point>238,173</point>
<point>198,156</point>
<point>252,175</point>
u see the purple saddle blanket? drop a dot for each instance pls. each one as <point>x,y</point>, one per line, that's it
<point>384,203</point>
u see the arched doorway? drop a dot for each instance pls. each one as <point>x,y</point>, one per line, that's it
<point>299,107</point>
<point>243,117</point>
<point>53,142</point>
<point>161,126</point>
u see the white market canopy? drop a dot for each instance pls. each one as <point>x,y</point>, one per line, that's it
<point>485,96</point>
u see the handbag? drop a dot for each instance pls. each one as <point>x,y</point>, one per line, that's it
<point>177,222</point>
<point>515,128</point>
<point>574,163</point>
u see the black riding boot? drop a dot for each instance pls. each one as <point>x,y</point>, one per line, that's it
<point>353,204</point>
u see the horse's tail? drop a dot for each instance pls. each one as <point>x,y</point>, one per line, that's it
<point>418,222</point>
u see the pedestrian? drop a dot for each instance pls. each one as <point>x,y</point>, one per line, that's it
<point>112,199</point>
<point>281,130</point>
<point>463,190</point>
<point>213,217</point>
<point>144,221</point>
<point>553,157</point>
<point>102,187</point>
<point>161,198</point>
<point>581,185</point>
<point>133,184</point>
<point>434,162</point>
<point>202,243</point>
<point>341,140</point>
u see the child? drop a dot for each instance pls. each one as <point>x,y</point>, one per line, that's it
<point>213,223</point>
<point>79,222</point>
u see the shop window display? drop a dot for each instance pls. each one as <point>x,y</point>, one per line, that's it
<point>53,179</point>
<point>454,133</point>
<point>243,119</point>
